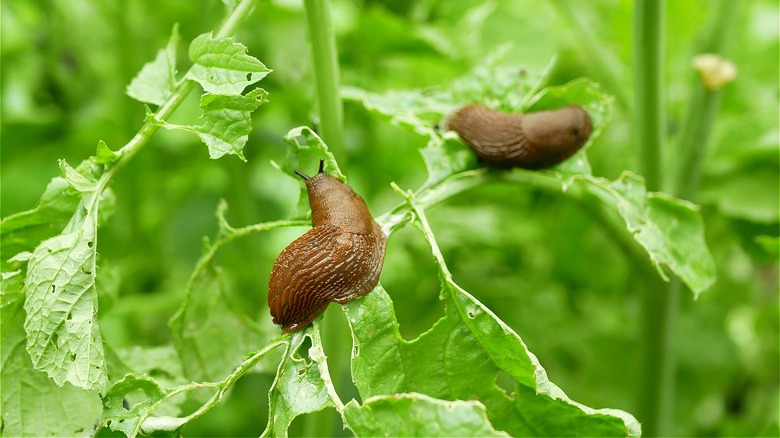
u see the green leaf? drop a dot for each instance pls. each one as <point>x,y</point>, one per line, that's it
<point>157,79</point>
<point>459,358</point>
<point>744,185</point>
<point>228,122</point>
<point>32,404</point>
<point>104,154</point>
<point>222,66</point>
<point>23,231</point>
<point>418,415</point>
<point>302,384</point>
<point>116,417</point>
<point>306,150</point>
<point>63,337</point>
<point>211,335</point>
<point>669,229</point>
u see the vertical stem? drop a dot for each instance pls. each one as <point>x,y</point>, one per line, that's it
<point>326,71</point>
<point>648,87</point>
<point>658,303</point>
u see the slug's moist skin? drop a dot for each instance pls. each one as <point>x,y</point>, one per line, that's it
<point>339,259</point>
<point>531,141</point>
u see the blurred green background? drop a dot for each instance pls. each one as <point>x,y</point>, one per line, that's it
<point>543,264</point>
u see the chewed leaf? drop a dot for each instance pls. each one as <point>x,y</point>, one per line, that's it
<point>222,66</point>
<point>302,384</point>
<point>63,337</point>
<point>459,358</point>
<point>156,80</point>
<point>228,122</point>
<point>418,415</point>
<point>669,229</point>
<point>306,150</point>
<point>27,393</point>
<point>121,419</point>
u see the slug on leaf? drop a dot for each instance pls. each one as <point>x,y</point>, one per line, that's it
<point>531,141</point>
<point>339,259</point>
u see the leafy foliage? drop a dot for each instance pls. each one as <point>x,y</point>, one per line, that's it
<point>126,337</point>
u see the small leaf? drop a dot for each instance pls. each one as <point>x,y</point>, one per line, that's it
<point>222,66</point>
<point>306,150</point>
<point>80,181</point>
<point>104,154</point>
<point>418,415</point>
<point>228,122</point>
<point>116,417</point>
<point>156,80</point>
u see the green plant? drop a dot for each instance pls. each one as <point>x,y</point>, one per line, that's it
<point>457,366</point>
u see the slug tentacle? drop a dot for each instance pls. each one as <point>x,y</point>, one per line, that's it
<point>339,259</point>
<point>531,141</point>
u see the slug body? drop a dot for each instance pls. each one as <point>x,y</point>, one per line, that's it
<point>531,141</point>
<point>339,259</point>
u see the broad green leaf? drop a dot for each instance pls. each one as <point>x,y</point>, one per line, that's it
<point>63,337</point>
<point>418,415</point>
<point>302,384</point>
<point>670,230</point>
<point>211,335</point>
<point>450,362</point>
<point>156,80</point>
<point>222,66</point>
<point>228,122</point>
<point>32,404</point>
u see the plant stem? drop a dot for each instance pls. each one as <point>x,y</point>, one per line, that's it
<point>658,303</point>
<point>703,107</point>
<point>326,72</point>
<point>648,87</point>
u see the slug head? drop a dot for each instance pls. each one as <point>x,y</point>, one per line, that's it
<point>334,203</point>
<point>561,132</point>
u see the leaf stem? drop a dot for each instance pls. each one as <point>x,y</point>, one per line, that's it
<point>326,72</point>
<point>658,302</point>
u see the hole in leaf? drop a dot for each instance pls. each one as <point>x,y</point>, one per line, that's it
<point>303,350</point>
<point>505,381</point>
<point>470,314</point>
<point>126,404</point>
<point>134,398</point>
<point>55,337</point>
<point>73,357</point>
<point>53,288</point>
<point>86,271</point>
<point>356,350</point>
<point>249,76</point>
<point>211,78</point>
<point>301,372</point>
<point>90,243</point>
<point>70,316</point>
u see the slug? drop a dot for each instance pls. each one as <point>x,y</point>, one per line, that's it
<point>339,259</point>
<point>531,141</point>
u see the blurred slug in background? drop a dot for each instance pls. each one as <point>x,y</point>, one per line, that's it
<point>339,259</point>
<point>531,141</point>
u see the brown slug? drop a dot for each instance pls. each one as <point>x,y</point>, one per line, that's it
<point>339,259</point>
<point>531,141</point>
